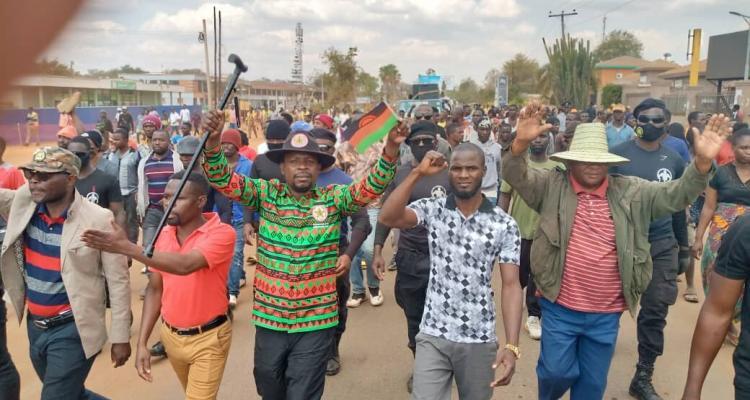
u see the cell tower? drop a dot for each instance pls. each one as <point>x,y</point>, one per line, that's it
<point>297,66</point>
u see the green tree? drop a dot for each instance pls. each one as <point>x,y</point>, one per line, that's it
<point>522,73</point>
<point>466,92</point>
<point>618,43</point>
<point>571,71</point>
<point>390,80</point>
<point>54,67</point>
<point>611,94</point>
<point>340,82</point>
<point>367,85</point>
<point>115,72</point>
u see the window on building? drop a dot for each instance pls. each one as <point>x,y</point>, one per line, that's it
<point>618,75</point>
<point>644,79</point>
<point>678,83</point>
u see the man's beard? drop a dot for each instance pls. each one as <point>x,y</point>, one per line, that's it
<point>302,189</point>
<point>466,194</point>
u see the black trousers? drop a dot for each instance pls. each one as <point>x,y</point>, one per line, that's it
<point>412,276</point>
<point>532,302</point>
<point>10,382</point>
<point>659,295</point>
<point>343,289</point>
<point>291,366</point>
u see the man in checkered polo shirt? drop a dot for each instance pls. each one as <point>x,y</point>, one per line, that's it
<point>466,235</point>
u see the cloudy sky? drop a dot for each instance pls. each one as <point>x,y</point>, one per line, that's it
<point>458,38</point>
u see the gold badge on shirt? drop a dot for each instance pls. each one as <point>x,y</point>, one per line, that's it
<point>319,213</point>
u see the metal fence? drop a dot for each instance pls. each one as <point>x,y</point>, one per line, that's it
<point>714,103</point>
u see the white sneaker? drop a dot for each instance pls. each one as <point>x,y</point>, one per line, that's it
<point>534,327</point>
<point>232,301</point>
<point>377,300</point>
<point>355,301</point>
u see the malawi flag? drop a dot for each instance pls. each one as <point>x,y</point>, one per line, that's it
<point>371,127</point>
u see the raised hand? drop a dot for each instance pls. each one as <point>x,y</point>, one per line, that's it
<point>530,123</point>
<point>396,136</point>
<point>432,163</point>
<point>213,124</point>
<point>707,144</point>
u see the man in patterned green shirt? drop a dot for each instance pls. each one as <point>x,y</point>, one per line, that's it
<point>295,304</point>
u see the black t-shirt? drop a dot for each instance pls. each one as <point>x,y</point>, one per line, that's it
<point>662,165</point>
<point>264,168</point>
<point>729,187</point>
<point>100,188</point>
<point>437,185</point>
<point>733,262</point>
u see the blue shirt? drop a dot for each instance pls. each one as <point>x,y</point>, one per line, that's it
<point>616,136</point>
<point>679,146</point>
<point>243,167</point>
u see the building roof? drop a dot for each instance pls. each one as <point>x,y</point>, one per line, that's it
<point>81,82</point>
<point>637,64</point>
<point>622,62</point>
<point>683,71</point>
<point>658,65</point>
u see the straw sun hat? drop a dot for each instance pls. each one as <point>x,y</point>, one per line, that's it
<point>589,145</point>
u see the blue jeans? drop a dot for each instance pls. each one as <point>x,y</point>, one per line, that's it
<point>576,352</point>
<point>237,270</point>
<point>59,361</point>
<point>365,253</point>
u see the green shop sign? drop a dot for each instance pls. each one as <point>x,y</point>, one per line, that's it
<point>123,85</point>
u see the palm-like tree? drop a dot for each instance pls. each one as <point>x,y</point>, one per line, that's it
<point>391,80</point>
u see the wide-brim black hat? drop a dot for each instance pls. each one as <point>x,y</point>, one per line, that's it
<point>301,142</point>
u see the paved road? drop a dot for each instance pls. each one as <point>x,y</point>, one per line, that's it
<point>376,362</point>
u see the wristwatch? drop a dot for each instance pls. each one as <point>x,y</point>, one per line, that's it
<point>513,349</point>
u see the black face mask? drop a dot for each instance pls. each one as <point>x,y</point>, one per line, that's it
<point>649,132</point>
<point>275,146</point>
<point>420,151</point>
<point>85,159</point>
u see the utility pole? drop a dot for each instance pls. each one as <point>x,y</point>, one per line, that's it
<point>219,50</point>
<point>216,83</point>
<point>208,71</point>
<point>562,16</point>
<point>604,27</point>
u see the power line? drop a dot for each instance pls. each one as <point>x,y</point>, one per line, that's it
<point>562,16</point>
<point>615,8</point>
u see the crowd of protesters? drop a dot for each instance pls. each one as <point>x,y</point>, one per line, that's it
<point>587,214</point>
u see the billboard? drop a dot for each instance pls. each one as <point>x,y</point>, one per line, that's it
<point>429,79</point>
<point>727,56</point>
<point>501,91</point>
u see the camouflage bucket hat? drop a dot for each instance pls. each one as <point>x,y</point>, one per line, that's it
<point>54,159</point>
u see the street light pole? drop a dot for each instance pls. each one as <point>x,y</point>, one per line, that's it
<point>747,51</point>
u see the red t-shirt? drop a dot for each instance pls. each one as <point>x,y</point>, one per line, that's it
<point>197,298</point>
<point>591,278</point>
<point>10,177</point>
<point>248,152</point>
<point>726,154</point>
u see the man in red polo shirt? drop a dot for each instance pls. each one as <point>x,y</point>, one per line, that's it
<point>188,288</point>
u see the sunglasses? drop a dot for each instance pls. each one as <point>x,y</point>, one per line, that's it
<point>422,142</point>
<point>427,117</point>
<point>325,147</point>
<point>645,119</point>
<point>40,176</point>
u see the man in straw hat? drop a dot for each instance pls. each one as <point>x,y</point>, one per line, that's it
<point>295,309</point>
<point>590,256</point>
